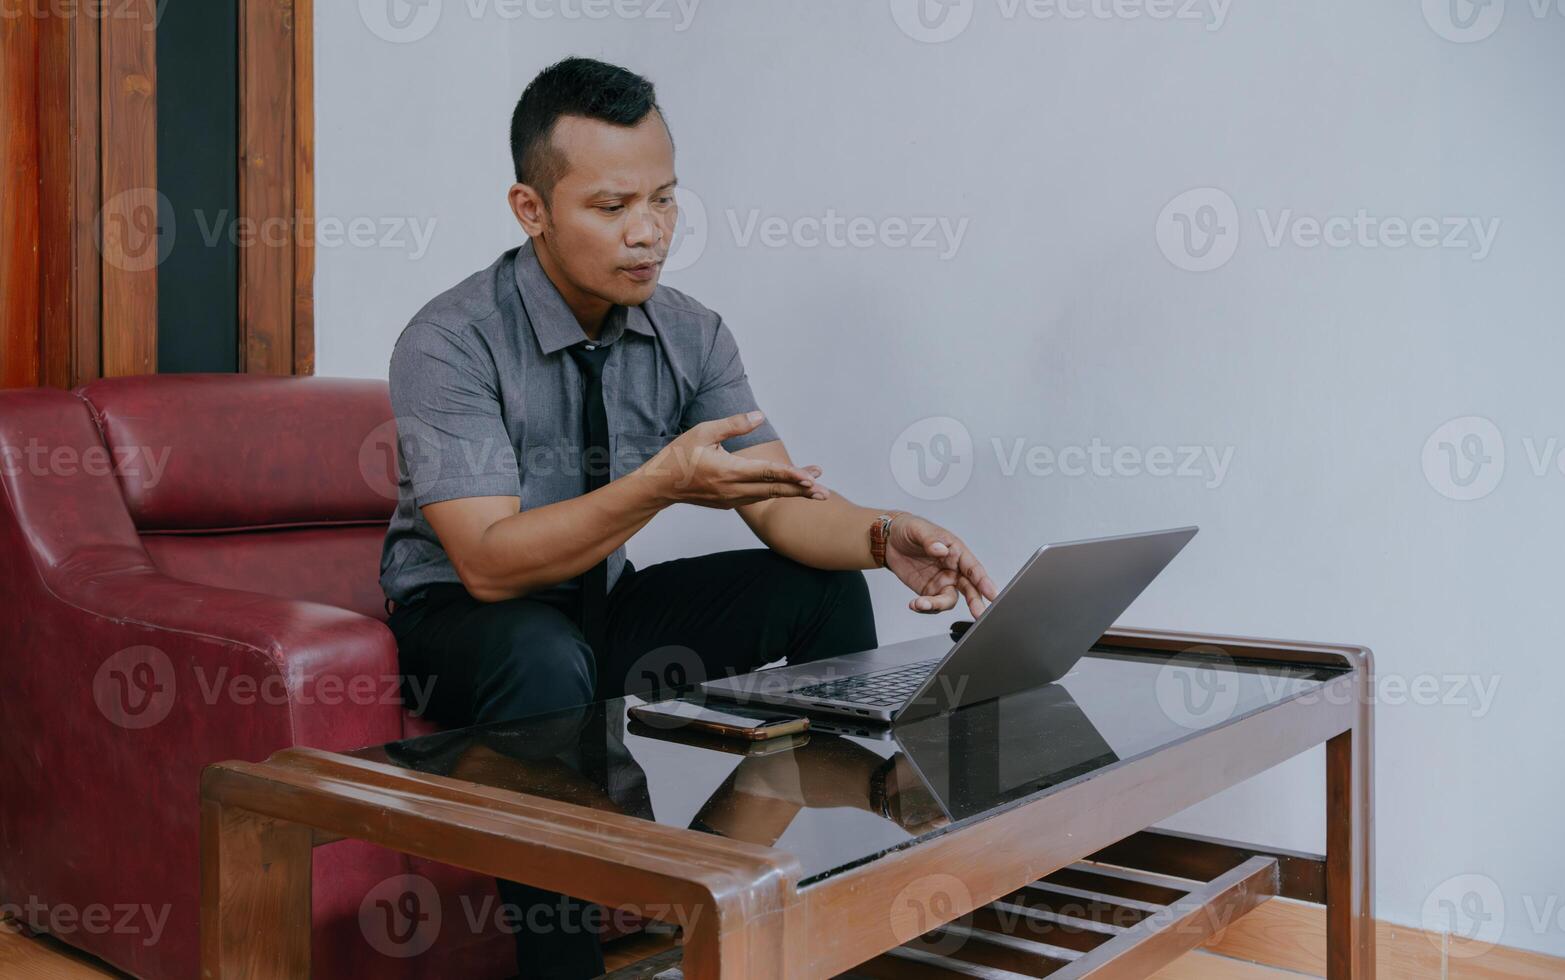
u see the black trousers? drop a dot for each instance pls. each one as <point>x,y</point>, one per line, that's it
<point>670,624</point>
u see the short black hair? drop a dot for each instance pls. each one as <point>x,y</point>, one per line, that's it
<point>573,87</point>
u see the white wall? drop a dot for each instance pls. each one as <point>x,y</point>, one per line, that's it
<point>1059,320</point>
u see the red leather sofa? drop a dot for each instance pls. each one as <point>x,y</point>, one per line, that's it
<point>189,568</point>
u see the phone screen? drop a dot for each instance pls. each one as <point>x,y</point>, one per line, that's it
<point>677,713</point>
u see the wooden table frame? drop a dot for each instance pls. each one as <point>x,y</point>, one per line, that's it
<point>751,917</point>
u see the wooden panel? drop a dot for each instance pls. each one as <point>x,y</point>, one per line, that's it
<point>266,185</point>
<point>131,215</point>
<point>68,66</point>
<point>304,186</point>
<point>19,279</point>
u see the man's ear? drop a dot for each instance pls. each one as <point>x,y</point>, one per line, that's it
<point>531,213</point>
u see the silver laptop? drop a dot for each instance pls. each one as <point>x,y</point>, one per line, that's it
<point>1040,624</point>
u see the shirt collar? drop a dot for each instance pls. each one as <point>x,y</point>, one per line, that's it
<point>553,322</point>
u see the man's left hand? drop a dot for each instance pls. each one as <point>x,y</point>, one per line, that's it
<point>938,566</point>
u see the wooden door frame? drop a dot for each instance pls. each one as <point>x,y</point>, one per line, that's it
<point>277,180</point>
<point>80,305</point>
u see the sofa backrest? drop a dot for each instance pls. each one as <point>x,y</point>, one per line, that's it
<point>269,484</point>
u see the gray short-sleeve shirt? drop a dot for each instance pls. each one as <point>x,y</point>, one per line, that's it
<point>488,401</point>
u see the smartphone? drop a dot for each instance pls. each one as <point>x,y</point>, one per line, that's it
<point>719,743</point>
<point>727,721</point>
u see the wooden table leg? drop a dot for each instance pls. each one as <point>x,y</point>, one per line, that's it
<point>1350,912</point>
<point>759,949</point>
<point>255,896</point>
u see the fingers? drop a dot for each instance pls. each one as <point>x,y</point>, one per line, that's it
<point>975,602</point>
<point>941,601</point>
<point>746,469</point>
<point>718,430</point>
<point>753,492</point>
<point>973,571</point>
<point>955,554</point>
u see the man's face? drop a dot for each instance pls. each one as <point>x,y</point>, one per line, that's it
<point>611,217</point>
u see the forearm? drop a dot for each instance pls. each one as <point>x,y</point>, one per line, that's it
<point>829,534</point>
<point>534,549</point>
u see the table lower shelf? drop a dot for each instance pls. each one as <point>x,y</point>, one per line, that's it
<point>1092,919</point>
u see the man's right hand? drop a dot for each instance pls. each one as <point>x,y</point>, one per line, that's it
<point>696,469</point>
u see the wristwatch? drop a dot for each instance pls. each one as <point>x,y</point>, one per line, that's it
<point>879,534</point>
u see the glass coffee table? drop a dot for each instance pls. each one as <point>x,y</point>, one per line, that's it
<point>1007,839</point>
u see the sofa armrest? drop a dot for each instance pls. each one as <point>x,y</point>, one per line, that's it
<point>123,684</point>
<point>293,673</point>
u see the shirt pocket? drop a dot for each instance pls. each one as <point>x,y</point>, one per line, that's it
<point>631,449</point>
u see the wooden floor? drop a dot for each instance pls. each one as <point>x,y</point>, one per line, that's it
<point>33,959</point>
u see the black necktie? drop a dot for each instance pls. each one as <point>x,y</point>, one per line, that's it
<point>595,461</point>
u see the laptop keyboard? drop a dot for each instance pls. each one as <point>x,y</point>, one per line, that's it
<point>883,688</point>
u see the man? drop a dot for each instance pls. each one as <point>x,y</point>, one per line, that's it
<point>551,405</point>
